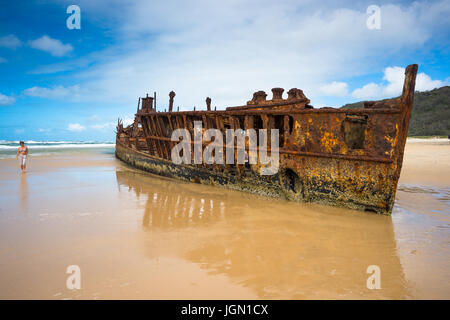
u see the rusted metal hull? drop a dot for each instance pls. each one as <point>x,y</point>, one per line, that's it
<point>255,184</point>
<point>349,158</point>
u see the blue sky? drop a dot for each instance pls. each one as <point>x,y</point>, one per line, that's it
<point>61,84</point>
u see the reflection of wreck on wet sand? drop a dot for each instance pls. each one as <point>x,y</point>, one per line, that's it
<point>170,205</point>
<point>342,157</point>
<point>308,251</point>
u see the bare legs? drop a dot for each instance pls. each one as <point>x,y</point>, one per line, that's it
<point>23,165</point>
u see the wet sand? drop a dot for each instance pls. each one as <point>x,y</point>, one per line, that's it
<point>139,236</point>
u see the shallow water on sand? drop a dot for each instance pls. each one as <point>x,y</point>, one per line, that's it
<point>135,235</point>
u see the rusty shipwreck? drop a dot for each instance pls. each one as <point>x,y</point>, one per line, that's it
<point>344,157</point>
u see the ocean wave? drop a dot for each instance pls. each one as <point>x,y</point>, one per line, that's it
<point>10,145</point>
<point>428,140</point>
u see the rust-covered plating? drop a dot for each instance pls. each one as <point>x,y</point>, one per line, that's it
<point>343,157</point>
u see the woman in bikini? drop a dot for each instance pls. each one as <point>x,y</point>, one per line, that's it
<point>22,153</point>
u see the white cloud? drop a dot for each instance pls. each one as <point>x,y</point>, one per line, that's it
<point>10,42</point>
<point>100,126</point>
<point>336,89</point>
<point>128,120</point>
<point>305,45</point>
<point>3,60</point>
<point>44,130</point>
<point>424,82</point>
<point>6,100</point>
<point>76,127</point>
<point>99,123</point>
<point>53,46</point>
<point>229,49</point>
<point>54,92</point>
<point>395,76</point>
<point>369,91</point>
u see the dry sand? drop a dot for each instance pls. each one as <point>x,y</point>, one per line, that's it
<point>138,236</point>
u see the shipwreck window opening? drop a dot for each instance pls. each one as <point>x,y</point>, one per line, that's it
<point>257,122</point>
<point>241,122</point>
<point>354,129</point>
<point>257,125</point>
<point>226,123</point>
<point>291,181</point>
<point>166,127</point>
<point>279,124</point>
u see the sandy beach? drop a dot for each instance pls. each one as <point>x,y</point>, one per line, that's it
<point>139,236</point>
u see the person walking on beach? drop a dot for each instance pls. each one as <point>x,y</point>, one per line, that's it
<point>22,153</point>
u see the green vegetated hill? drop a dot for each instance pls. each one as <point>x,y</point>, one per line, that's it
<point>430,115</point>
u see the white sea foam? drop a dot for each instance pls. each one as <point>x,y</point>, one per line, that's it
<point>8,149</point>
<point>32,145</point>
<point>436,140</point>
